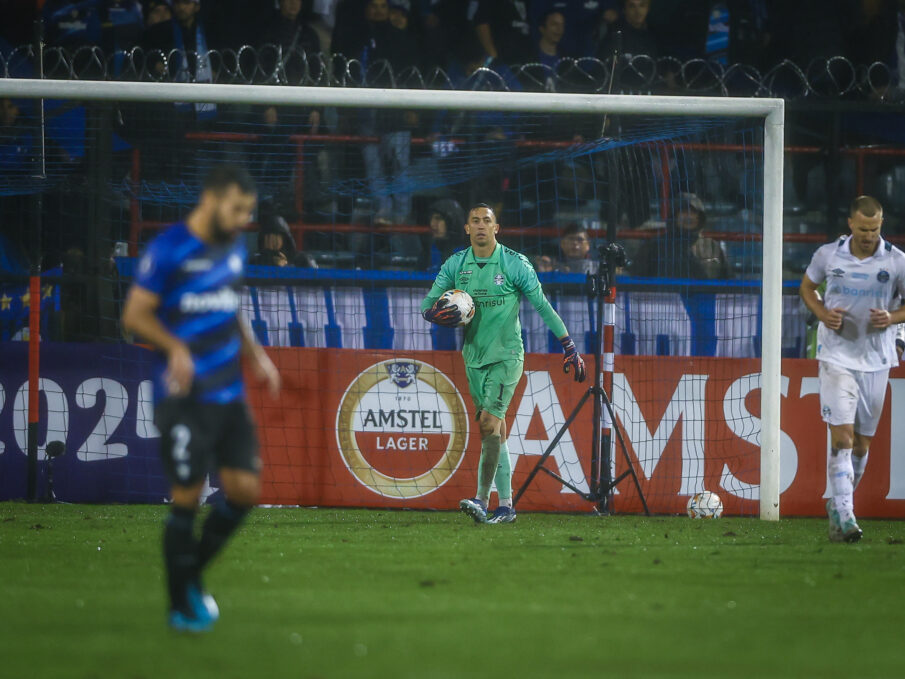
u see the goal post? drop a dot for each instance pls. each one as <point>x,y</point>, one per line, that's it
<point>769,110</point>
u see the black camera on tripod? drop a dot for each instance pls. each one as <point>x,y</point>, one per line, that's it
<point>614,256</point>
<point>611,257</point>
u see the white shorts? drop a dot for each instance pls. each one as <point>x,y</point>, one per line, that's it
<point>852,397</point>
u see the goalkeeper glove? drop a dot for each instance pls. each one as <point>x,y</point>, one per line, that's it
<point>572,359</point>
<point>443,313</point>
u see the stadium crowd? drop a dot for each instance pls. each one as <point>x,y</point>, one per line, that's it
<point>474,42</point>
<point>433,32</point>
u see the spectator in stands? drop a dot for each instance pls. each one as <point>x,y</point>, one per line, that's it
<point>389,158</point>
<point>274,236</point>
<point>400,14</point>
<point>160,128</point>
<point>270,258</point>
<point>443,24</point>
<point>157,12</point>
<point>681,251</point>
<point>543,263</point>
<point>552,26</point>
<point>636,38</point>
<point>287,27</point>
<point>503,31</point>
<point>352,29</point>
<point>586,22</point>
<point>447,224</point>
<point>575,249</point>
<point>748,37</point>
<point>112,25</point>
<point>185,34</point>
<point>404,17</point>
<point>323,21</point>
<point>470,73</point>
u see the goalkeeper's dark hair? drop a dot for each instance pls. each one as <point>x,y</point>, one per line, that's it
<point>220,177</point>
<point>477,206</point>
<point>867,206</point>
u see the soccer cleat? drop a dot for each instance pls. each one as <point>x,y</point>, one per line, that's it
<point>851,532</point>
<point>180,622</point>
<point>502,515</point>
<point>834,532</point>
<point>476,509</point>
<point>203,604</point>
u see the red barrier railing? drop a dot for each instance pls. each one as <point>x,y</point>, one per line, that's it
<point>299,229</point>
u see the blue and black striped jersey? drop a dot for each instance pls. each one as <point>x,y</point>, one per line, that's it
<point>197,284</point>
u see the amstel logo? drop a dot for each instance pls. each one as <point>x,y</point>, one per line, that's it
<point>402,428</point>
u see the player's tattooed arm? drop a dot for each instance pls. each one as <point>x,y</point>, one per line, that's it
<point>140,318</point>
<point>831,318</point>
<point>261,365</point>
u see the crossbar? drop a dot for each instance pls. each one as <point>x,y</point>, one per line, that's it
<point>360,97</point>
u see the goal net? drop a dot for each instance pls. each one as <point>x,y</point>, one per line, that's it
<point>361,196</point>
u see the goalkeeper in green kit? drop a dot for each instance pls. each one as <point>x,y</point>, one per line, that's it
<point>496,278</point>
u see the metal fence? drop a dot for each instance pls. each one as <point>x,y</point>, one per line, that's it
<point>834,78</point>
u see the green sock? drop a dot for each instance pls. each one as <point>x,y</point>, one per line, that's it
<point>490,458</point>
<point>503,477</point>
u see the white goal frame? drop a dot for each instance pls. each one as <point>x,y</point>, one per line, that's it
<point>772,111</point>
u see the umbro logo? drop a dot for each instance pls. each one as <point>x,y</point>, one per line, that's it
<point>838,273</point>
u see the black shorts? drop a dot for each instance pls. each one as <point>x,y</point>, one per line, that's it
<point>197,438</point>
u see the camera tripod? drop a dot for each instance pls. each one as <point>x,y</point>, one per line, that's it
<point>599,290</point>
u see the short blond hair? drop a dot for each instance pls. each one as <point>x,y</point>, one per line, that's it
<point>867,206</point>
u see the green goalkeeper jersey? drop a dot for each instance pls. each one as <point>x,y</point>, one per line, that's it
<point>496,284</point>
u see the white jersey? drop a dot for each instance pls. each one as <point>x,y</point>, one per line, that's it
<point>857,286</point>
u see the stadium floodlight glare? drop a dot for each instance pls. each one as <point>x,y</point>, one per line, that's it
<point>770,111</point>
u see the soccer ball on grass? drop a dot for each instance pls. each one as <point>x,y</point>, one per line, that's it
<point>705,505</point>
<point>463,302</point>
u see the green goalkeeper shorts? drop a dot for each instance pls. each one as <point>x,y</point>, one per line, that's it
<point>493,386</point>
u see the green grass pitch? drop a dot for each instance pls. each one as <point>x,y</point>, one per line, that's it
<point>354,593</point>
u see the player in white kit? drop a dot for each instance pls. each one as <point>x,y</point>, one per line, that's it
<point>856,347</point>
